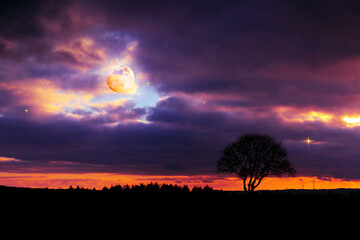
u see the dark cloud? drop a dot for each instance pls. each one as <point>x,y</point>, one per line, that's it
<point>133,148</point>
<point>7,100</point>
<point>177,112</point>
<point>19,19</point>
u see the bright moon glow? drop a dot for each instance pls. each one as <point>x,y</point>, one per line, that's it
<point>122,80</point>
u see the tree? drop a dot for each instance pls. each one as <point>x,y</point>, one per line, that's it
<point>253,157</point>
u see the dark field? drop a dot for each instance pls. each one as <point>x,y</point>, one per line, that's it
<point>169,199</point>
<point>177,213</point>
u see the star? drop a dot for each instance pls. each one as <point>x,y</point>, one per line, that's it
<point>26,110</point>
<point>308,142</point>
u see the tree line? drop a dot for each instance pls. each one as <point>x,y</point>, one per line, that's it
<point>150,187</point>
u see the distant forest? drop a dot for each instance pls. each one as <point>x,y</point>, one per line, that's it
<point>151,187</point>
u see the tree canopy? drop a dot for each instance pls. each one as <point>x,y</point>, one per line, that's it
<point>253,157</point>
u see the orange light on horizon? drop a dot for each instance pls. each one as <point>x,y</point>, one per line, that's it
<point>220,182</point>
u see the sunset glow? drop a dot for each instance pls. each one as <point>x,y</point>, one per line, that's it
<point>100,180</point>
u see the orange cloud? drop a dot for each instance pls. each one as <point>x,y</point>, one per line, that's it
<point>81,53</point>
<point>339,119</point>
<point>289,114</point>
<point>9,159</point>
<point>44,97</point>
<point>352,121</point>
<point>128,55</point>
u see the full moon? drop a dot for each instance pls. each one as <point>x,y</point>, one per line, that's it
<point>122,80</point>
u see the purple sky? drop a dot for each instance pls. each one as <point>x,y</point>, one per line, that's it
<point>206,72</point>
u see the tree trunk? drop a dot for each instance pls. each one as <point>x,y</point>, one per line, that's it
<point>244,183</point>
<point>251,185</point>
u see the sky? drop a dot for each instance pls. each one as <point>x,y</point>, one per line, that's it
<point>204,73</point>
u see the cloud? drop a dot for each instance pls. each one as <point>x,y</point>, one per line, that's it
<point>81,53</point>
<point>44,96</point>
<point>133,148</point>
<point>178,112</point>
<point>9,159</point>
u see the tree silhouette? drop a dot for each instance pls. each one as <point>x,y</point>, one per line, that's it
<point>253,157</point>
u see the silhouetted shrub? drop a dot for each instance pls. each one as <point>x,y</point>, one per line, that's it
<point>150,187</point>
<point>116,188</point>
<point>153,187</point>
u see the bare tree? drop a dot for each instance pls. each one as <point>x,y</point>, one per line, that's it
<point>253,157</point>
